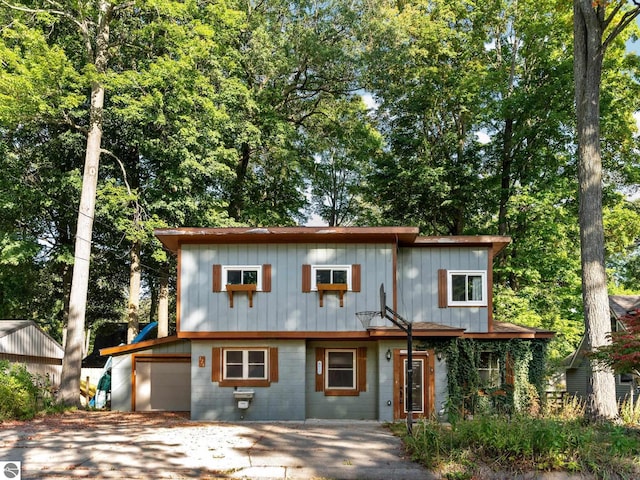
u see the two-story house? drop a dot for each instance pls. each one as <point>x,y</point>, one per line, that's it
<point>267,327</point>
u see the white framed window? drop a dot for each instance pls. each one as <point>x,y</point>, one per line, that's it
<point>242,275</point>
<point>330,274</point>
<point>467,287</point>
<point>489,369</point>
<point>341,369</point>
<point>245,364</point>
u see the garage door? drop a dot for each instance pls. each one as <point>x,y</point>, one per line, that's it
<point>162,384</point>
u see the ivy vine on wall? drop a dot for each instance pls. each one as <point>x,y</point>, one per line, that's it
<point>522,372</point>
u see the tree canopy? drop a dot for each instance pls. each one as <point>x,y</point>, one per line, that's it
<point>456,117</point>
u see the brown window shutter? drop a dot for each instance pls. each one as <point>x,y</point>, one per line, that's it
<point>508,370</point>
<point>362,369</point>
<point>442,288</point>
<point>306,278</point>
<point>217,278</point>
<point>356,277</point>
<point>216,364</point>
<point>266,277</point>
<point>320,377</point>
<point>273,364</point>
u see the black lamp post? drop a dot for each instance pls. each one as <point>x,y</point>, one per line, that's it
<point>404,325</point>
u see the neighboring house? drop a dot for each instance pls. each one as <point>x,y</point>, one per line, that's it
<point>22,341</point>
<point>266,324</point>
<point>577,365</point>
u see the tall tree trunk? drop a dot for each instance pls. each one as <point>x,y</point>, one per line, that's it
<point>72,362</point>
<point>133,306</point>
<point>69,393</point>
<point>588,57</point>
<point>236,201</point>
<point>163,303</point>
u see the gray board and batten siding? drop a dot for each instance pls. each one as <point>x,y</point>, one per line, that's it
<point>281,400</point>
<point>418,285</point>
<point>285,308</point>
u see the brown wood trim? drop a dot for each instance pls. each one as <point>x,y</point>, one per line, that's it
<point>244,383</point>
<point>341,288</point>
<point>266,277</point>
<point>316,335</point>
<point>394,284</point>
<point>306,278</point>
<point>341,393</point>
<point>273,364</point>
<point>133,347</point>
<point>431,381</point>
<point>319,376</point>
<point>216,278</point>
<point>509,370</point>
<point>361,365</point>
<point>178,291</point>
<point>397,333</point>
<point>508,335</point>
<point>248,287</point>
<point>216,364</point>
<point>442,288</point>
<point>173,238</point>
<point>490,290</point>
<point>356,277</point>
<point>428,382</point>
<point>133,383</point>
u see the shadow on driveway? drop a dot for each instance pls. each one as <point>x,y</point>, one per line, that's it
<point>168,445</point>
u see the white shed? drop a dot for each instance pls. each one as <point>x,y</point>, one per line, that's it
<point>22,341</point>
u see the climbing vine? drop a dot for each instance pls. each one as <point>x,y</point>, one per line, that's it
<point>520,384</point>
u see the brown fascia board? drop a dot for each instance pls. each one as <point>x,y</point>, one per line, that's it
<point>134,347</point>
<point>172,238</point>
<point>496,241</point>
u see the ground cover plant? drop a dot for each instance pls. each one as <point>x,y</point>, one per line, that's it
<point>555,441</point>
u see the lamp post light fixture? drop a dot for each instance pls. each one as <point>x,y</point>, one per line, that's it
<point>406,326</point>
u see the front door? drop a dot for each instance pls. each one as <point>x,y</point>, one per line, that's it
<point>423,384</point>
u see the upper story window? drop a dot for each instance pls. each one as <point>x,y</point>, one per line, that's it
<point>241,278</point>
<point>330,274</point>
<point>242,275</point>
<point>467,288</point>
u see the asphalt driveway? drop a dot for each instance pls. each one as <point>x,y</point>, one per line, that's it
<point>168,445</point>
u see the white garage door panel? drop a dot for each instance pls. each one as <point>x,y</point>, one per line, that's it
<point>163,386</point>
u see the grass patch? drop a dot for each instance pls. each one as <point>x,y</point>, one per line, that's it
<point>524,444</point>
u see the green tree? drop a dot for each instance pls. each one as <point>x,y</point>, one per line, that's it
<point>344,145</point>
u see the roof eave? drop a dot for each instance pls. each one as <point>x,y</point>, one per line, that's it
<point>173,238</point>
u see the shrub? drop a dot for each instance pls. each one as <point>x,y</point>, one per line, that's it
<point>21,394</point>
